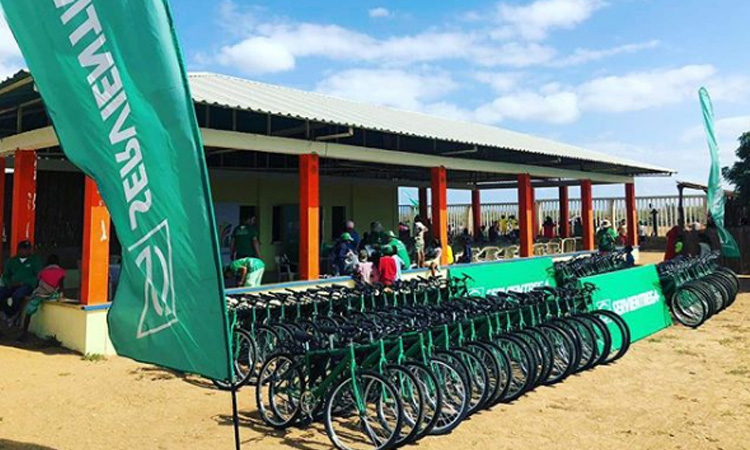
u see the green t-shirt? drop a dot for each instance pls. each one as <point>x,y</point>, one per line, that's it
<point>401,251</point>
<point>251,264</point>
<point>243,240</point>
<point>606,238</point>
<point>26,272</point>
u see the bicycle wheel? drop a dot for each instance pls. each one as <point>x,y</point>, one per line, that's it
<point>477,373</point>
<point>364,412</point>
<point>603,337</point>
<point>266,342</point>
<point>412,400</point>
<point>522,364</point>
<point>432,395</point>
<point>488,360</point>
<point>688,308</point>
<point>279,391</point>
<point>588,342</point>
<point>244,352</point>
<point>620,332</point>
<point>454,394</point>
<point>563,353</point>
<point>504,374</point>
<point>542,350</point>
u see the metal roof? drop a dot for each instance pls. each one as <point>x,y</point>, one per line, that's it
<point>232,92</point>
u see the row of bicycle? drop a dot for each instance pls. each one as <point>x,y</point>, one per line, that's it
<point>697,288</point>
<point>383,368</point>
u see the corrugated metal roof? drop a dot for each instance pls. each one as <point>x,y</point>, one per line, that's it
<point>238,93</point>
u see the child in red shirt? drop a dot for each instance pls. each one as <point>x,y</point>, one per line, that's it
<point>387,267</point>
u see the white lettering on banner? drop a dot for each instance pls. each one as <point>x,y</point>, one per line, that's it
<point>632,303</point>
<point>108,92</point>
<point>154,250</point>
<point>527,287</point>
<point>159,301</point>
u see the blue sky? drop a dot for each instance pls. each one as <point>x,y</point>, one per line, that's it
<point>615,76</point>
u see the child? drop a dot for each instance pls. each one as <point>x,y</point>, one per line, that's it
<point>419,231</point>
<point>51,281</point>
<point>366,270</point>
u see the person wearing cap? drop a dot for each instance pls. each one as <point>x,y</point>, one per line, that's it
<point>248,271</point>
<point>19,280</point>
<point>400,248</point>
<point>606,237</point>
<point>419,232</point>
<point>344,258</point>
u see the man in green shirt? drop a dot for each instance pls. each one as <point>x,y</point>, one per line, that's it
<point>245,240</point>
<point>19,280</point>
<point>606,237</point>
<point>401,250</point>
<point>248,271</point>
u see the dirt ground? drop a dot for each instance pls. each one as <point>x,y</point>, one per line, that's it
<point>681,389</point>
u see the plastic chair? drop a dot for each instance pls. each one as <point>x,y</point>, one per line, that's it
<point>539,249</point>
<point>553,248</point>
<point>510,252</point>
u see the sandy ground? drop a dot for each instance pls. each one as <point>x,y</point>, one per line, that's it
<point>681,389</point>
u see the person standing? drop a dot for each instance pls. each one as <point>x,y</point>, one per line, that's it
<point>353,233</point>
<point>344,258</point>
<point>606,237</point>
<point>387,266</point>
<point>654,220</point>
<point>248,271</point>
<point>400,249</point>
<point>246,241</point>
<point>548,228</point>
<point>622,233</point>
<point>19,280</point>
<point>419,242</point>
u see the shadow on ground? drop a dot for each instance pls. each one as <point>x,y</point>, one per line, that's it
<point>49,346</point>
<point>13,445</point>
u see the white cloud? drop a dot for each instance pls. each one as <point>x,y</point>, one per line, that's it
<point>643,90</point>
<point>583,55</point>
<point>10,55</point>
<point>379,13</point>
<point>727,129</point>
<point>257,55</point>
<point>513,54</point>
<point>388,87</point>
<point>558,108</point>
<point>500,82</point>
<point>534,21</point>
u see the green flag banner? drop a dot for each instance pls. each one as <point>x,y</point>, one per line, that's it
<point>715,192</point>
<point>636,295</point>
<point>114,83</point>
<point>522,275</point>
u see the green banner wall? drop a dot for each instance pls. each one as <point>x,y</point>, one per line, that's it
<point>113,80</point>
<point>636,295</point>
<point>521,275</point>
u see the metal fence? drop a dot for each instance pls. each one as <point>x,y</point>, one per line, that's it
<point>610,208</point>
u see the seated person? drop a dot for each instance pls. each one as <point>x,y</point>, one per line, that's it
<point>19,280</point>
<point>247,271</point>
<point>388,267</point>
<point>51,281</point>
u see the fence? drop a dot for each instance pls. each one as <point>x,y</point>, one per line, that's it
<point>612,208</point>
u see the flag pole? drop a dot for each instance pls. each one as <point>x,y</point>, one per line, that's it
<point>235,417</point>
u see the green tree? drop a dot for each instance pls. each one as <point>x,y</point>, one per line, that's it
<point>739,173</point>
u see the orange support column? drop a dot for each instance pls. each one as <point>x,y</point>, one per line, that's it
<point>476,212</point>
<point>440,209</point>
<point>564,212</point>
<point>423,204</point>
<point>587,215</point>
<point>95,260</point>
<point>24,199</point>
<point>2,207</point>
<point>534,214</point>
<point>525,215</point>
<point>309,217</point>
<point>632,214</point>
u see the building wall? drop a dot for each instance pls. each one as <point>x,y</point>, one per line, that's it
<point>365,201</point>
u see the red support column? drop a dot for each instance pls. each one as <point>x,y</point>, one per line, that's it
<point>2,207</point>
<point>534,214</point>
<point>587,215</point>
<point>632,214</point>
<point>476,212</point>
<point>439,188</point>
<point>24,199</point>
<point>564,212</point>
<point>95,260</point>
<point>525,215</point>
<point>309,217</point>
<point>423,204</point>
